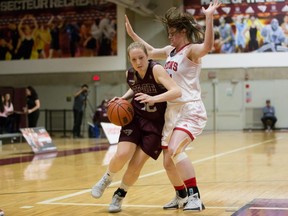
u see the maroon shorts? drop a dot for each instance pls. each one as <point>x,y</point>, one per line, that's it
<point>145,134</point>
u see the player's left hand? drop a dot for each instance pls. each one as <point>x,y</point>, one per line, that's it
<point>212,7</point>
<point>144,98</point>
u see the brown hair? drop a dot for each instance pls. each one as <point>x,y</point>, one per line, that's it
<point>174,18</point>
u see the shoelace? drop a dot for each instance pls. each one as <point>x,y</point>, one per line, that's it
<point>192,199</point>
<point>116,200</point>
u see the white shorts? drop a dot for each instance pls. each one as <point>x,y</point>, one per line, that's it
<point>190,117</point>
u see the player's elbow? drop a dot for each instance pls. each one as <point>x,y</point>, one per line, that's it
<point>207,46</point>
<point>178,93</point>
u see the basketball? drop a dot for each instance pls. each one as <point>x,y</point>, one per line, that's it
<point>120,112</point>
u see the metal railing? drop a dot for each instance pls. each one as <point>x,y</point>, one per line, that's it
<point>57,120</point>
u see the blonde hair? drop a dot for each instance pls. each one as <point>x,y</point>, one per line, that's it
<point>136,45</point>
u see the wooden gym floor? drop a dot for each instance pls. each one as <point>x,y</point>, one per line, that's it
<point>239,173</point>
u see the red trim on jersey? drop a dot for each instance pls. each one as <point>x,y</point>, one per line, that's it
<point>190,182</point>
<point>186,131</point>
<point>182,47</point>
<point>164,147</point>
<point>182,187</point>
<point>175,51</point>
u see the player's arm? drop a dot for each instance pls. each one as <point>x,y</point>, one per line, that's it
<point>153,53</point>
<point>77,93</point>
<point>161,77</point>
<point>200,50</point>
<point>128,95</point>
<point>36,107</point>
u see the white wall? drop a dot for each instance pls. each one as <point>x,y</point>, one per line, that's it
<point>227,106</point>
<point>224,105</point>
<point>246,60</point>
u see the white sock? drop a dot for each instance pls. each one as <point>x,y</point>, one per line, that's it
<point>124,186</point>
<point>110,174</point>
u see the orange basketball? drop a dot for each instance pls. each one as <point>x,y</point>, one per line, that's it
<point>120,112</point>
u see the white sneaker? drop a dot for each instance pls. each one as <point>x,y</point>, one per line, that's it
<point>176,203</point>
<point>194,203</point>
<point>1,212</point>
<point>100,186</point>
<point>115,205</point>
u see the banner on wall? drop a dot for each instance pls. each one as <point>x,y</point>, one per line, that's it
<point>46,29</point>
<point>243,26</point>
<point>38,139</point>
<point>111,131</point>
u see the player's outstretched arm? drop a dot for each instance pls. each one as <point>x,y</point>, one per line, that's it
<point>154,53</point>
<point>200,50</point>
<point>209,32</point>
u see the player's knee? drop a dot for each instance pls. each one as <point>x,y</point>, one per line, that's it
<point>134,168</point>
<point>177,158</point>
<point>168,162</point>
<point>179,147</point>
<point>133,173</point>
<point>122,157</point>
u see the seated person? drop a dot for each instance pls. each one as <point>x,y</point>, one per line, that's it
<point>269,119</point>
<point>101,115</point>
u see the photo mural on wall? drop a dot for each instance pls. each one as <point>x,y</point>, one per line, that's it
<point>54,29</point>
<point>246,25</point>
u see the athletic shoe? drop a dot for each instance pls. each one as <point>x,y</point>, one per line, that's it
<point>176,203</point>
<point>1,212</point>
<point>100,186</point>
<point>115,205</point>
<point>194,203</point>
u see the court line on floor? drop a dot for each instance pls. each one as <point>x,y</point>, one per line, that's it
<point>135,206</point>
<point>269,208</point>
<point>53,200</point>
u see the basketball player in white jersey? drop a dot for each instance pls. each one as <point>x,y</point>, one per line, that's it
<point>185,117</point>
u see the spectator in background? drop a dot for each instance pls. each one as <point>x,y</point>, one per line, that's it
<point>73,31</point>
<point>269,119</point>
<point>3,116</point>
<point>273,38</point>
<point>241,25</point>
<point>101,115</point>
<point>14,37</point>
<point>253,28</point>
<point>27,37</point>
<point>9,108</point>
<point>79,106</point>
<point>33,106</point>
<point>108,32</point>
<point>227,38</point>
<point>55,27</point>
<point>5,48</point>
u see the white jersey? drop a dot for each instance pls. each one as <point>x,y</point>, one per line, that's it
<point>186,74</point>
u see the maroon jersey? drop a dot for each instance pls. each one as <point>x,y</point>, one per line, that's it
<point>145,130</point>
<point>148,86</point>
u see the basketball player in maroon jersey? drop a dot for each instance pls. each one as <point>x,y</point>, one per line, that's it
<point>150,88</point>
<point>186,116</point>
